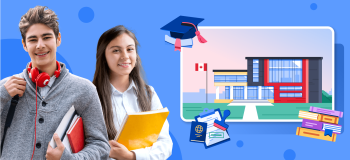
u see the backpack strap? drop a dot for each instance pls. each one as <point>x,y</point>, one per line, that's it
<point>9,117</point>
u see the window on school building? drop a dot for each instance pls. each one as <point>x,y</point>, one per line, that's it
<point>238,92</point>
<point>227,92</point>
<point>252,92</point>
<point>287,95</point>
<point>285,70</point>
<point>230,78</point>
<point>255,70</point>
<point>219,78</point>
<point>267,92</point>
<point>291,88</point>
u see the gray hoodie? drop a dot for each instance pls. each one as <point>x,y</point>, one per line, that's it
<point>67,90</point>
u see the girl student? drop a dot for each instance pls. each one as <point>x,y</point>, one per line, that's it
<point>121,88</point>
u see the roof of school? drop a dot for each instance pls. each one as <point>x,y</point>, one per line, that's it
<point>223,70</point>
<point>283,57</point>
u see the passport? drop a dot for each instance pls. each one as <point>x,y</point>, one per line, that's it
<point>198,131</point>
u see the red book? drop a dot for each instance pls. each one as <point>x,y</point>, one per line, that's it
<point>76,136</point>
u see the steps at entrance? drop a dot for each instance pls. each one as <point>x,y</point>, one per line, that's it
<point>250,101</point>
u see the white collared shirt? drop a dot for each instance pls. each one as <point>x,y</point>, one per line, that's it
<point>44,90</point>
<point>126,102</point>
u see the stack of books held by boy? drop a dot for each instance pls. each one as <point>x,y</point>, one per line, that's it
<point>320,123</point>
<point>71,132</point>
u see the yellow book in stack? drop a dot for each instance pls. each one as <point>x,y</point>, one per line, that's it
<point>315,134</point>
<point>318,117</point>
<point>141,129</point>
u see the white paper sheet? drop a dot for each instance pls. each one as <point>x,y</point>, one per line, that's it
<point>211,128</point>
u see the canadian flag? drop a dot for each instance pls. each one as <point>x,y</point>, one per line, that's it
<point>201,66</point>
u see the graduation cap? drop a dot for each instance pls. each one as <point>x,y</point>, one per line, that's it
<point>183,28</point>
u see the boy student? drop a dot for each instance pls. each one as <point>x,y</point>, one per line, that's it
<point>46,92</point>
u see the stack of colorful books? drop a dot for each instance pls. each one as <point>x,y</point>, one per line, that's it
<point>320,123</point>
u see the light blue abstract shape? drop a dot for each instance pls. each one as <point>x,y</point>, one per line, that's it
<point>200,97</point>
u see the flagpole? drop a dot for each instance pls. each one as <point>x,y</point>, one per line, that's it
<point>206,80</point>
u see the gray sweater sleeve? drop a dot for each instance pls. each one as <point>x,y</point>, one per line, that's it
<point>4,95</point>
<point>96,140</point>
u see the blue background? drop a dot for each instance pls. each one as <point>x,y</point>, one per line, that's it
<point>81,28</point>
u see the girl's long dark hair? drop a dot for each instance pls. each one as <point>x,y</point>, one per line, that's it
<point>103,85</point>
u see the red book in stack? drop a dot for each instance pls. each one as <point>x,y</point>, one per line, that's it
<point>76,136</point>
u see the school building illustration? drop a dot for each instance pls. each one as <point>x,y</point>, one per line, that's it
<point>276,79</point>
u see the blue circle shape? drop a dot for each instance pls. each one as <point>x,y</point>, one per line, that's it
<point>313,6</point>
<point>176,152</point>
<point>239,143</point>
<point>289,154</point>
<point>86,14</point>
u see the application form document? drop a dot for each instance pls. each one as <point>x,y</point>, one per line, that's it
<point>214,134</point>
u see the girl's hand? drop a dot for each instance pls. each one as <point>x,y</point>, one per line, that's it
<point>119,151</point>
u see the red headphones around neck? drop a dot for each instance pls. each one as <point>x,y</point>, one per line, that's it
<point>43,78</point>
<point>40,80</point>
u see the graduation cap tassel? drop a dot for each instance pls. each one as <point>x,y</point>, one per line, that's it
<point>200,38</point>
<point>178,44</point>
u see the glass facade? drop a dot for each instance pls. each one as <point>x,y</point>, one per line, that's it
<point>255,70</point>
<point>219,78</point>
<point>227,92</point>
<point>267,92</point>
<point>252,92</point>
<point>287,95</point>
<point>291,88</point>
<point>230,78</point>
<point>285,70</point>
<point>238,92</point>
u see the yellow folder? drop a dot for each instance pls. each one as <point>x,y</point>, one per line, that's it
<point>141,129</point>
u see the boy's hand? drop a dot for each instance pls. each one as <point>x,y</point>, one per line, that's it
<point>15,85</point>
<point>55,154</point>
